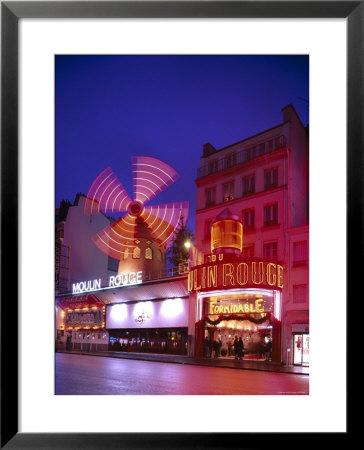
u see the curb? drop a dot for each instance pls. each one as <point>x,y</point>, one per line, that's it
<point>188,362</point>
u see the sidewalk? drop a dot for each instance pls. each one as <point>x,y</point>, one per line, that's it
<point>210,362</point>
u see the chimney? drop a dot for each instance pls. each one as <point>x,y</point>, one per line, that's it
<point>208,149</point>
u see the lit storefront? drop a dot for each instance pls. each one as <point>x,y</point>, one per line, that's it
<point>125,313</point>
<point>236,297</point>
<point>249,315</point>
<point>230,304</point>
<point>148,317</point>
<point>149,326</point>
<point>301,345</point>
<point>81,323</point>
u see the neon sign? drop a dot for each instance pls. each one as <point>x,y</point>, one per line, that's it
<point>235,274</point>
<point>124,279</point>
<point>255,307</point>
<point>84,318</point>
<point>85,286</point>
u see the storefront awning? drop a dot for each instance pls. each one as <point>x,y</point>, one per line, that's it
<point>175,287</point>
<point>79,301</point>
<point>150,290</point>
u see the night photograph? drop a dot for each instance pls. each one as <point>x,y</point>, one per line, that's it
<point>182,225</point>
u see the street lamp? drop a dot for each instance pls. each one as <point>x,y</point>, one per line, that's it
<point>191,253</point>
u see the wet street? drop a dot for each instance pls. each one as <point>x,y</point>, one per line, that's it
<point>92,375</point>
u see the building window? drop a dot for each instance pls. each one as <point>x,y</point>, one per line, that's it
<point>112,264</point>
<point>250,153</point>
<point>278,142</point>
<point>136,253</point>
<point>249,185</point>
<point>299,253</point>
<point>212,166</point>
<point>148,253</point>
<point>248,251</point>
<point>207,233</point>
<point>228,191</point>
<point>211,196</point>
<point>261,148</point>
<point>230,160</point>
<point>62,266</point>
<point>270,250</point>
<point>249,219</point>
<point>159,255</point>
<point>126,254</point>
<point>270,215</point>
<point>299,293</point>
<point>271,178</point>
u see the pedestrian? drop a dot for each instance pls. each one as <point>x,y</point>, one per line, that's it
<point>236,345</point>
<point>219,349</point>
<point>210,347</point>
<point>261,349</point>
<point>268,350</point>
<point>216,348</point>
<point>206,347</point>
<point>240,348</point>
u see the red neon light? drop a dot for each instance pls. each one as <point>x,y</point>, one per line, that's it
<point>107,195</point>
<point>150,177</point>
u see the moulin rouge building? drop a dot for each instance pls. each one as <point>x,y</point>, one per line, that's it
<point>251,274</point>
<point>113,290</point>
<point>248,268</point>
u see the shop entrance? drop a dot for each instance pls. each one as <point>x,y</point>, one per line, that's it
<point>301,349</point>
<point>257,339</point>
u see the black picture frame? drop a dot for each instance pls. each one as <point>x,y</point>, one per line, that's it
<point>11,12</point>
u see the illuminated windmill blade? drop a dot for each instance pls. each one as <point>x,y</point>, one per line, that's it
<point>150,177</point>
<point>118,238</point>
<point>106,195</point>
<point>162,220</point>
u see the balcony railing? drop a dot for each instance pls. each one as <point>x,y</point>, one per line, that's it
<point>249,153</point>
<point>269,223</point>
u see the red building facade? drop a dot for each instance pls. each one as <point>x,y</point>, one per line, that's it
<point>261,292</point>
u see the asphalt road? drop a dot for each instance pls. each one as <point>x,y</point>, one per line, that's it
<point>93,375</point>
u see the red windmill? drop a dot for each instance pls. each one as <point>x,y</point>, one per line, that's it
<point>107,195</point>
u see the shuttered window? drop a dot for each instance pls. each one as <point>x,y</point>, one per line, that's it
<point>300,252</point>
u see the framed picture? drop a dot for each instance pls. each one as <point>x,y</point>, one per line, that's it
<point>15,338</point>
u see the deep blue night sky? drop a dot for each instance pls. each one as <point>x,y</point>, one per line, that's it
<point>109,108</point>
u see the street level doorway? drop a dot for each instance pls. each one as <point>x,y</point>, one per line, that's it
<point>301,349</point>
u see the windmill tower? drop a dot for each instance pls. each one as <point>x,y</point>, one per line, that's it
<point>138,239</point>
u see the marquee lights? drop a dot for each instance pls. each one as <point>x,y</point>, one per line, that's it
<point>232,301</point>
